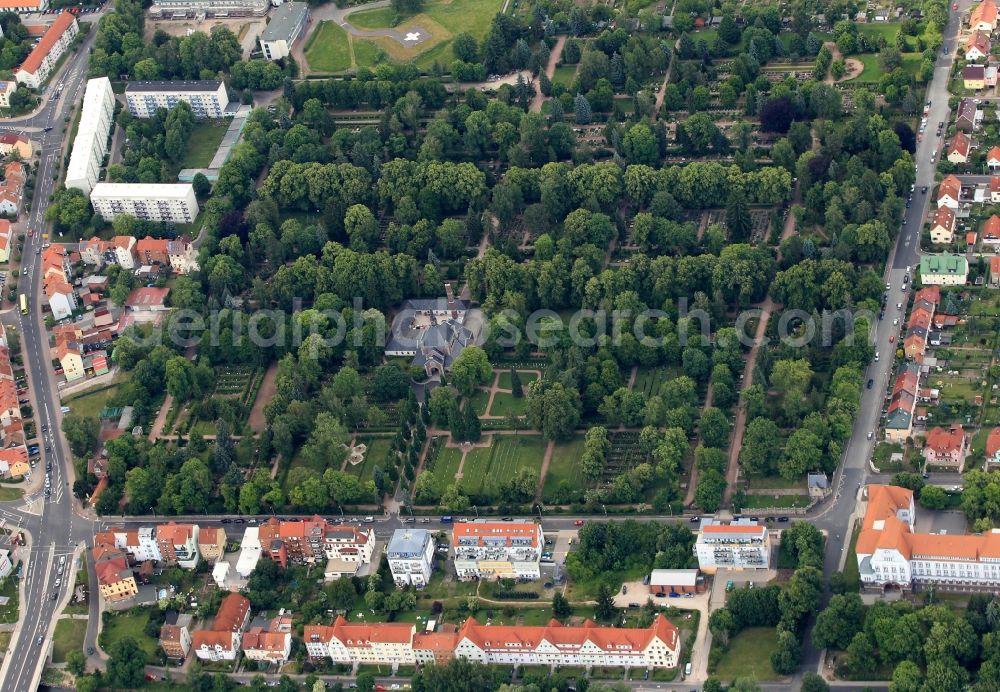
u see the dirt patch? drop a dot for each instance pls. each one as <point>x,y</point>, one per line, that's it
<point>854,68</point>
<point>240,26</point>
<point>256,421</point>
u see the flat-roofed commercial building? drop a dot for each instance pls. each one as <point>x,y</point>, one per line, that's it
<point>287,23</point>
<point>742,544</point>
<point>91,143</point>
<point>207,98</point>
<point>154,202</point>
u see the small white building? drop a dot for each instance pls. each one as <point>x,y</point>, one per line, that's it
<point>250,552</point>
<point>220,572</point>
<point>411,557</point>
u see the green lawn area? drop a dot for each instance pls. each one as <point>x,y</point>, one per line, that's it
<point>504,403</point>
<point>380,18</point>
<point>203,143</point>
<point>851,574</point>
<point>10,494</point>
<point>68,636</point>
<point>479,399</point>
<point>441,18</point>
<point>486,468</point>
<point>91,404</point>
<point>366,53</point>
<point>769,482</point>
<point>126,625</point>
<point>525,377</point>
<point>378,447</point>
<point>564,466</point>
<point>873,71</point>
<point>446,466</point>
<point>8,613</point>
<point>328,49</point>
<point>768,501</point>
<point>749,654</point>
<point>564,75</point>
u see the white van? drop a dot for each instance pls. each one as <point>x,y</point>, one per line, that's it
<point>687,669</point>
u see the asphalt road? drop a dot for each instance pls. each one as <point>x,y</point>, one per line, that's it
<point>854,471</point>
<point>52,523</point>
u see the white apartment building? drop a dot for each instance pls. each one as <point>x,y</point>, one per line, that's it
<point>498,549</point>
<point>890,554</point>
<point>741,544</point>
<point>7,88</point>
<point>396,644</point>
<point>154,202</point>
<point>45,55</point>
<point>287,23</point>
<point>180,9</point>
<point>411,557</point>
<point>6,567</point>
<point>140,544</point>
<point>91,143</point>
<point>207,98</point>
<point>348,543</point>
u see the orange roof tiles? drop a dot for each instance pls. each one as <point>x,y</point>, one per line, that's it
<point>174,533</point>
<point>960,145</point>
<point>986,11</point>
<point>950,186</point>
<point>732,528</point>
<point>944,441</point>
<point>232,613</point>
<point>979,40</point>
<point>993,155</point>
<point>34,60</point>
<point>930,293</point>
<point>944,217</point>
<point>363,634</point>
<point>496,529</point>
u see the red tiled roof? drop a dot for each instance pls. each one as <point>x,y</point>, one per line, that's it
<point>986,11</point>
<point>142,297</point>
<point>993,441</point>
<point>950,186</point>
<point>960,145</point>
<point>496,529</point>
<point>944,217</point>
<point>34,60</point>
<point>945,441</point>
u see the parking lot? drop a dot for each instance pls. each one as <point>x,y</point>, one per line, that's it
<point>949,522</point>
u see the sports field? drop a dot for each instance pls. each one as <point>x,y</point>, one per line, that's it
<point>485,468</point>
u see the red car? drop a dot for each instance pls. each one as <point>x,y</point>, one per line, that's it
<point>954,6</point>
<point>578,522</point>
<point>891,339</point>
<point>30,233</point>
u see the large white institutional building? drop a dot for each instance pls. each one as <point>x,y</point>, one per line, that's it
<point>890,554</point>
<point>174,202</point>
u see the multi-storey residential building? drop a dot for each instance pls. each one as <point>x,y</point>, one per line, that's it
<point>890,554</point>
<point>950,192</point>
<point>152,251</point>
<point>943,226</point>
<point>153,202</point>
<point>43,57</point>
<point>742,544</point>
<point>141,544</point>
<point>899,418</point>
<point>183,255</point>
<point>946,447</point>
<point>287,23</point>
<point>175,636</point>
<point>114,576</point>
<point>397,644</point>
<point>123,247</point>
<point>211,542</point>
<point>6,239</point>
<point>270,641</point>
<point>11,189</point>
<point>314,539</point>
<point>222,641</point>
<point>944,270</point>
<point>411,557</point>
<point>178,544</point>
<point>497,549</point>
<point>984,16</point>
<point>6,566</point>
<point>208,99</point>
<point>91,144</point>
<point>179,9</point>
